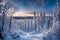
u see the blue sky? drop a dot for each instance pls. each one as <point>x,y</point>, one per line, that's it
<point>35,5</point>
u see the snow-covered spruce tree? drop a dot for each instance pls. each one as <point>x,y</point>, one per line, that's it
<point>6,6</point>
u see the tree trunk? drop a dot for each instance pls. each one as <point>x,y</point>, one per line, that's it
<point>10,22</point>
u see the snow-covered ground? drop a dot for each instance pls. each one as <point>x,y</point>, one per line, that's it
<point>17,33</point>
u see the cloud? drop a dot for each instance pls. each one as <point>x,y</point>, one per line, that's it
<point>34,5</point>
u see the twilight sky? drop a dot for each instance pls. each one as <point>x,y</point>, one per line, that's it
<point>34,5</point>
